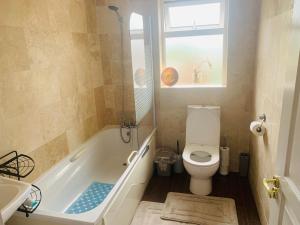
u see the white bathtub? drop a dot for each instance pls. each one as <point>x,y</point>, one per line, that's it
<point>100,159</point>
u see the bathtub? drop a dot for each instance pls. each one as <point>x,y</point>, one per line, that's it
<point>106,159</point>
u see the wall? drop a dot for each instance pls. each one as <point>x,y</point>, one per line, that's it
<point>51,83</point>
<point>273,58</point>
<point>235,99</point>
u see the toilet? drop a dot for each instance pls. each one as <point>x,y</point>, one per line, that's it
<point>201,155</point>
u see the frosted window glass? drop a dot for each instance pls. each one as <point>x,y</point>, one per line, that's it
<point>136,22</point>
<point>198,59</point>
<point>195,15</point>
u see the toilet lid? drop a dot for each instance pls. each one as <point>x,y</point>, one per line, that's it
<point>201,155</point>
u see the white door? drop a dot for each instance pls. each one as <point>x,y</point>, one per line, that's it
<point>285,192</point>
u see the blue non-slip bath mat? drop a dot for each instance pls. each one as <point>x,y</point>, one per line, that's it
<point>90,198</point>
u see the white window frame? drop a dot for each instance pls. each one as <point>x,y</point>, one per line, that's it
<point>221,28</point>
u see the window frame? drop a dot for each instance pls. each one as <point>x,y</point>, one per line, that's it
<point>201,30</point>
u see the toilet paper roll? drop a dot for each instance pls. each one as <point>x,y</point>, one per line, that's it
<point>257,128</point>
<point>224,170</point>
<point>225,156</point>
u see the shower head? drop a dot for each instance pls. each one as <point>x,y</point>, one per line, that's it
<point>116,10</point>
<point>113,8</point>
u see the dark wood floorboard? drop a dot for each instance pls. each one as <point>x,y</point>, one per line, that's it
<point>231,186</point>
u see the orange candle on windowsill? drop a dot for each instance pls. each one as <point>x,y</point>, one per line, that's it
<point>169,76</point>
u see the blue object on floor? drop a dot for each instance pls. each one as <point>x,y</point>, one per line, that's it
<point>90,198</point>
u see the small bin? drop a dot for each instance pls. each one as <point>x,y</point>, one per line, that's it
<point>244,164</point>
<point>164,160</point>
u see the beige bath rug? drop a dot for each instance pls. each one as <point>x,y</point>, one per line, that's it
<point>149,213</point>
<point>202,210</point>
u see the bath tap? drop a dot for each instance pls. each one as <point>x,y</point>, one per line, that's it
<point>129,125</point>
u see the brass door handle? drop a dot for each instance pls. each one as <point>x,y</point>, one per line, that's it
<point>272,190</point>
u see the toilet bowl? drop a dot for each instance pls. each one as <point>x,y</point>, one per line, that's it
<point>201,162</point>
<point>201,156</point>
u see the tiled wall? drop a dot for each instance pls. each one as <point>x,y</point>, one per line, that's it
<point>52,93</point>
<point>235,99</point>
<point>60,75</point>
<point>273,59</point>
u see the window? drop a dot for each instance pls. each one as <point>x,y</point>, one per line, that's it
<point>195,41</point>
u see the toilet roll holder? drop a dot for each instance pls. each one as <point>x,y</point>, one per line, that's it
<point>263,119</point>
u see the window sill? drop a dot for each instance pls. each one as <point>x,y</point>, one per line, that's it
<point>188,86</point>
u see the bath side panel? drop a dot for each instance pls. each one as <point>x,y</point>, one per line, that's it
<point>122,209</point>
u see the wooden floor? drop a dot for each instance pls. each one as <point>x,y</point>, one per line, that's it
<point>232,186</point>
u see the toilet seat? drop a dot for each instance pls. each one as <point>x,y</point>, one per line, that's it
<point>192,154</point>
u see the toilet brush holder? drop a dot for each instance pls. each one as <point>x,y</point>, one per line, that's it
<point>178,166</point>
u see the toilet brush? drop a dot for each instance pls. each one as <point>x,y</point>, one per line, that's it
<point>178,166</point>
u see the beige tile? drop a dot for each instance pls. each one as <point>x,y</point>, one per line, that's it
<point>25,131</point>
<point>59,15</point>
<point>41,48</point>
<point>96,73</point>
<point>68,84</point>
<point>78,16</point>
<point>36,15</point>
<point>101,2</point>
<point>116,49</point>
<point>87,106</point>
<point>65,62</point>
<point>4,145</point>
<point>14,88</point>
<point>109,96</point>
<point>12,13</point>
<point>24,91</point>
<point>82,62</point>
<point>90,6</point>
<point>107,76</point>
<point>76,136</point>
<point>110,117</point>
<point>100,106</point>
<point>48,155</point>
<point>83,76</point>
<point>53,121</point>
<point>116,72</point>
<point>106,54</point>
<point>90,126</point>
<point>65,47</point>
<point>45,87</point>
<point>70,109</point>
<point>117,99</point>
<point>129,97</point>
<point>13,50</point>
<point>95,60</point>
